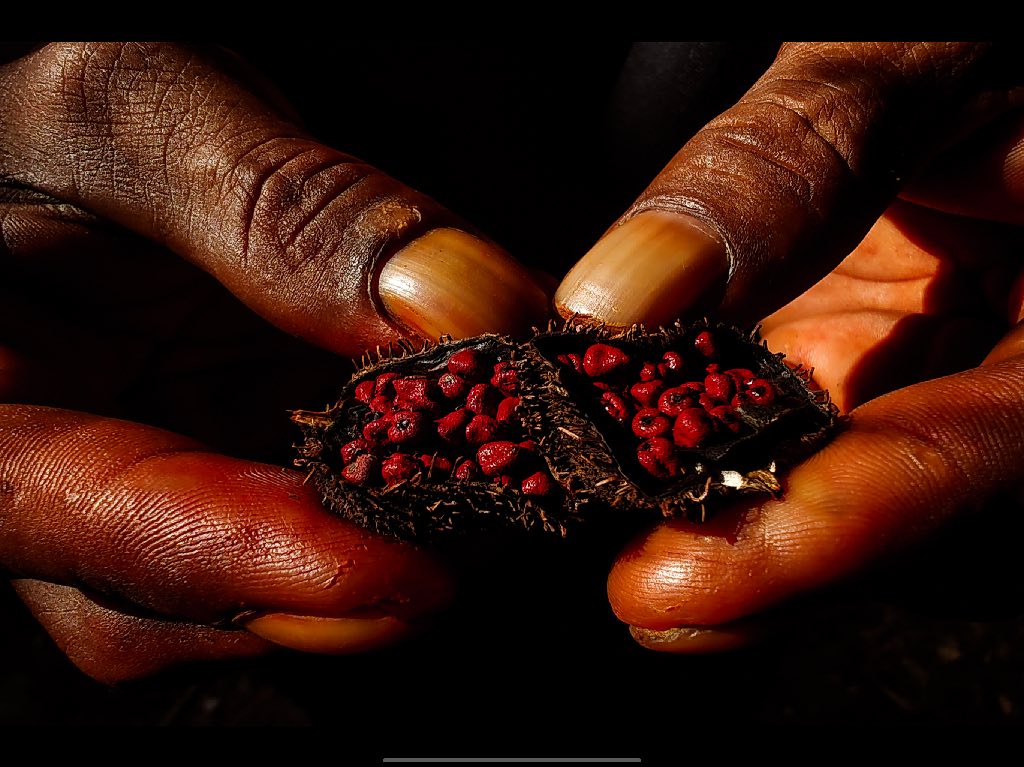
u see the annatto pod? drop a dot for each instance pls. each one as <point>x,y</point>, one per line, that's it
<point>573,425</point>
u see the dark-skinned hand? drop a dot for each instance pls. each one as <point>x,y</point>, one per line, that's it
<point>118,533</point>
<point>137,548</point>
<point>848,198</point>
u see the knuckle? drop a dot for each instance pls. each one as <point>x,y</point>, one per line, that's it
<point>791,140</point>
<point>300,206</point>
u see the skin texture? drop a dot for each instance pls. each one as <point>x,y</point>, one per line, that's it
<point>916,333</point>
<point>136,547</point>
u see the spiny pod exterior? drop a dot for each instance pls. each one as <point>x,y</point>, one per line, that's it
<point>572,426</point>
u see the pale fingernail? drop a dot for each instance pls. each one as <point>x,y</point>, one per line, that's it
<point>311,633</point>
<point>448,281</point>
<point>694,639</point>
<point>651,270</point>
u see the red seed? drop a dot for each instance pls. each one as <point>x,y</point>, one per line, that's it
<point>467,470</point>
<point>708,402</point>
<point>483,399</point>
<point>674,401</point>
<point>352,450</point>
<point>573,361</point>
<point>452,428</point>
<point>399,466</point>
<point>364,391</point>
<point>602,359</point>
<point>658,457</point>
<point>466,363</point>
<point>407,427</point>
<point>382,385</point>
<point>650,371</point>
<point>673,362</point>
<point>381,404</point>
<point>376,432</point>
<point>719,386</point>
<point>364,470</point>
<point>507,410</point>
<point>505,378</point>
<point>760,392</point>
<point>692,427</point>
<point>649,423</point>
<point>539,483</point>
<point>437,466</point>
<point>647,392</point>
<point>481,429</point>
<point>725,418</point>
<point>617,407</point>
<point>741,376</point>
<point>705,343</point>
<point>415,393</point>
<point>496,458</point>
<point>452,385</point>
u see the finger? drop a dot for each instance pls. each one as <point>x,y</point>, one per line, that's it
<point>769,196</point>
<point>980,178</point>
<point>909,461</point>
<point>156,138</point>
<point>111,646</point>
<point>147,518</point>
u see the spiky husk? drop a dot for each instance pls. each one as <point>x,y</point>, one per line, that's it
<point>781,434</point>
<point>595,472</point>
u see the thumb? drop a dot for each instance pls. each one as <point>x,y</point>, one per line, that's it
<point>773,193</point>
<point>910,461</point>
<point>158,138</point>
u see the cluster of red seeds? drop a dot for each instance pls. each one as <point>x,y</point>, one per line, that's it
<point>684,400</point>
<point>462,423</point>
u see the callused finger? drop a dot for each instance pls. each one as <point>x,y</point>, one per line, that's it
<point>773,193</point>
<point>149,519</point>
<point>908,461</point>
<point>159,139</point>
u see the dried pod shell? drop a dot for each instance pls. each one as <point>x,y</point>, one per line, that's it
<point>593,458</point>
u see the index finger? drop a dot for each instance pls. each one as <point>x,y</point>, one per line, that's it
<point>158,138</point>
<point>773,193</point>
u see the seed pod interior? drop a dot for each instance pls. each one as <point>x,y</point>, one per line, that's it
<point>687,413</point>
<point>573,424</point>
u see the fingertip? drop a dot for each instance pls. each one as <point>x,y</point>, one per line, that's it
<point>335,636</point>
<point>651,269</point>
<point>448,281</point>
<point>688,574</point>
<point>685,640</point>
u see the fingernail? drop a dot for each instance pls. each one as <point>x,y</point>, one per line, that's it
<point>310,633</point>
<point>651,270</point>
<point>448,281</point>
<point>694,639</point>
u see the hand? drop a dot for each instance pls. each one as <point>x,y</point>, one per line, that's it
<point>916,333</point>
<point>138,548</point>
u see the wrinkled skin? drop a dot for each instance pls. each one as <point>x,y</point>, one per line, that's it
<point>916,333</point>
<point>138,548</point>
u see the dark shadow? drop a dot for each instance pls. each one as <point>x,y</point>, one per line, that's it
<point>961,318</point>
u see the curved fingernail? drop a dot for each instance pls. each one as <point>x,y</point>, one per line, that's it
<point>650,269</point>
<point>449,281</point>
<point>694,639</point>
<point>311,633</point>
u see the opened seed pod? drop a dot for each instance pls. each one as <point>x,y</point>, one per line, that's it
<point>568,427</point>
